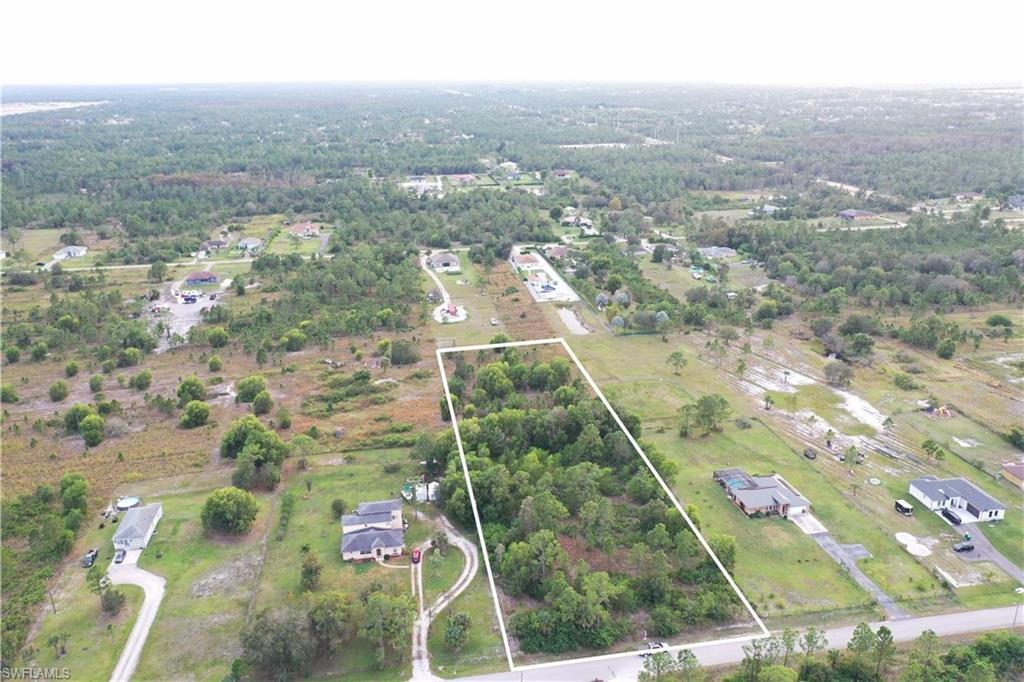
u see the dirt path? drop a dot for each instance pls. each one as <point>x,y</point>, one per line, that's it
<point>421,628</point>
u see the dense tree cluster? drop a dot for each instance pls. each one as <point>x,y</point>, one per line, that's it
<point>552,472</point>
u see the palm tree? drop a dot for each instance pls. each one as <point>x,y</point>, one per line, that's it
<point>54,641</point>
<point>829,435</point>
<point>768,401</point>
<point>677,360</point>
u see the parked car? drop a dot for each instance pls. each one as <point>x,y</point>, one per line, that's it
<point>810,453</point>
<point>416,556</point>
<point>119,556</point>
<point>213,297</point>
<point>494,322</point>
<point>652,648</point>
<point>952,517</point>
<point>963,547</point>
<point>189,299</point>
<point>90,558</point>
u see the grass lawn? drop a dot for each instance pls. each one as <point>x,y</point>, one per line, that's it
<point>284,244</point>
<point>313,524</point>
<point>440,572</point>
<point>92,648</point>
<point>478,302</point>
<point>210,580</point>
<point>804,579</point>
<point>484,652</point>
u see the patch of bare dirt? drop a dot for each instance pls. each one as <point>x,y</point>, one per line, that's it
<point>230,580</point>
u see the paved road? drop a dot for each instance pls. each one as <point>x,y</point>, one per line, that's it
<point>153,587</point>
<point>846,556</point>
<point>622,669</point>
<point>421,628</point>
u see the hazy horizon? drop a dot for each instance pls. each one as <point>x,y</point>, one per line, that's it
<point>803,44</point>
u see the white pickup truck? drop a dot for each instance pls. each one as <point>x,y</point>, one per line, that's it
<point>652,648</point>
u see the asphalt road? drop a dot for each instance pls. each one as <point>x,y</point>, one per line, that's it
<point>628,668</point>
<point>152,585</point>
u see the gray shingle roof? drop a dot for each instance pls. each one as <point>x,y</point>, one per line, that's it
<point>357,519</point>
<point>137,522</point>
<point>379,507</point>
<point>947,488</point>
<point>371,538</point>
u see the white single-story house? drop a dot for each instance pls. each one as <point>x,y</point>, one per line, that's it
<point>73,251</point>
<point>250,244</point>
<point>376,530</point>
<point>138,526</point>
<point>964,500</point>
<point>444,261</point>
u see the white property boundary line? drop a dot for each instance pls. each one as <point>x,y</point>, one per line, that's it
<point>636,446</point>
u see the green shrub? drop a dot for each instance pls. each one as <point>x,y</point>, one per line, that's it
<point>93,429</point>
<point>196,414</point>
<point>71,369</point>
<point>248,388</point>
<point>58,391</point>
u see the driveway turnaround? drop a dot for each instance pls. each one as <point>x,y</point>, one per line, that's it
<point>128,573</point>
<point>421,627</point>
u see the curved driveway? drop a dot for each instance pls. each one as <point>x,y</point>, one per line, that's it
<point>128,573</point>
<point>421,627</point>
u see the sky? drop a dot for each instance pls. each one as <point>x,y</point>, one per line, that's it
<point>794,42</point>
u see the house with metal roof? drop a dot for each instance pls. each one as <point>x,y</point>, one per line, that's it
<point>763,495</point>
<point>444,261</point>
<point>964,500</point>
<point>73,251</point>
<point>375,530</point>
<point>250,244</point>
<point>137,526</point>
<point>855,214</point>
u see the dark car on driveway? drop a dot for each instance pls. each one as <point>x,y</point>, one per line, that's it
<point>90,558</point>
<point>416,555</point>
<point>119,556</point>
<point>963,547</point>
<point>810,454</point>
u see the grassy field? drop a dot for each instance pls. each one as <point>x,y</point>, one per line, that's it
<point>478,301</point>
<point>95,639</point>
<point>312,525</point>
<point>210,580</point>
<point>484,652</point>
<point>440,572</point>
<point>634,374</point>
<point>285,244</point>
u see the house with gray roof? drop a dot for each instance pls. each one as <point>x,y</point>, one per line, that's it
<point>717,252</point>
<point>137,526</point>
<point>444,261</point>
<point>375,530</point>
<point>72,251</point>
<point>762,495</point>
<point>958,496</point>
<point>250,244</point>
<point>372,543</point>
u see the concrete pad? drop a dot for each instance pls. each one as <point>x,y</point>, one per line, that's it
<point>808,524</point>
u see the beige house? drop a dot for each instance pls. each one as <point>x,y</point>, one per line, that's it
<point>375,531</point>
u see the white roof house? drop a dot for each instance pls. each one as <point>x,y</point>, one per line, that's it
<point>73,251</point>
<point>250,244</point>
<point>137,526</point>
<point>958,495</point>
